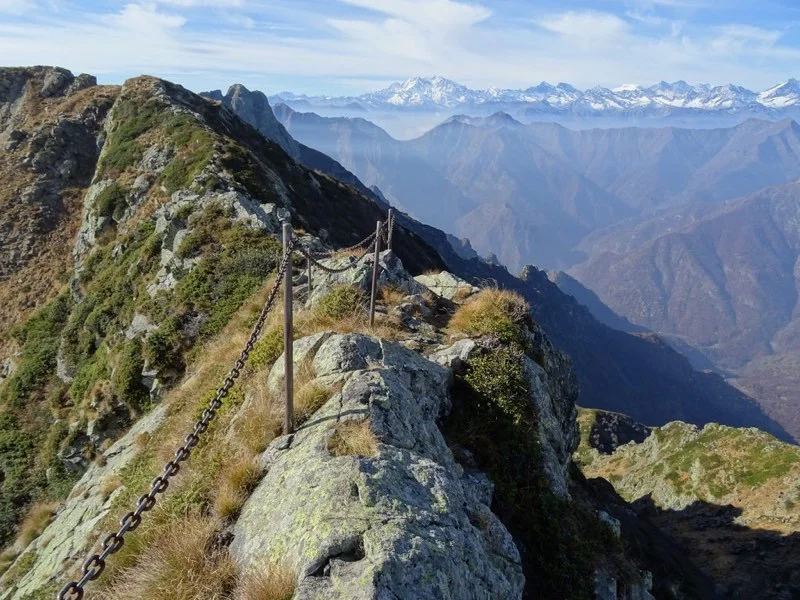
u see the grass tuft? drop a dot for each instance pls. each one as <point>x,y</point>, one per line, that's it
<point>492,312</point>
<point>353,438</point>
<point>186,564</point>
<point>269,583</point>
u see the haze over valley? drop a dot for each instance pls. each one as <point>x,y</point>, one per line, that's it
<point>408,299</point>
<point>688,232</point>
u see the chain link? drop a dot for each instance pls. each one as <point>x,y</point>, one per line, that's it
<point>305,252</point>
<point>113,542</point>
<point>94,566</point>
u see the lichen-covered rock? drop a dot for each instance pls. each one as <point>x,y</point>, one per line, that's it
<point>391,273</point>
<point>447,285</point>
<point>63,544</point>
<point>406,523</point>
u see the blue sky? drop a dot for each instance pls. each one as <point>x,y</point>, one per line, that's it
<point>353,46</point>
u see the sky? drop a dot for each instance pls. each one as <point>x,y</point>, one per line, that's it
<point>347,47</point>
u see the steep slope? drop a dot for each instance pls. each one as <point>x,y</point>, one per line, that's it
<point>731,495</point>
<point>529,204</point>
<point>380,160</point>
<point>254,108</point>
<point>726,282</point>
<point>175,232</point>
<point>601,312</point>
<point>49,121</point>
<point>668,166</point>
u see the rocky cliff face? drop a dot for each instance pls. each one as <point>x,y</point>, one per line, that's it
<point>50,128</point>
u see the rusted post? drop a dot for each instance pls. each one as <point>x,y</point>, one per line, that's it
<point>375,260</point>
<point>390,228</point>
<point>308,276</point>
<point>288,340</point>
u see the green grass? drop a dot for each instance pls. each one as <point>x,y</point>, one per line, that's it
<point>131,119</point>
<point>111,202</point>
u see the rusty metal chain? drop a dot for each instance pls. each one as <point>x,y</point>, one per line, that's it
<point>332,253</point>
<point>305,252</point>
<point>113,542</point>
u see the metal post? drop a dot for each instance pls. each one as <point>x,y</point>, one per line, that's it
<point>308,276</point>
<point>390,228</point>
<point>375,274</point>
<point>288,341</point>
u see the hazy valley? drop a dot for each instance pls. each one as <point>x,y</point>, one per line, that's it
<point>140,237</point>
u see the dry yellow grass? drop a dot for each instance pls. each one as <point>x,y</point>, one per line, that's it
<point>353,438</point>
<point>38,518</point>
<point>261,419</point>
<point>462,295</point>
<point>491,311</point>
<point>268,583</point>
<point>309,395</point>
<point>392,295</point>
<point>356,253</point>
<point>187,563</point>
<point>236,481</point>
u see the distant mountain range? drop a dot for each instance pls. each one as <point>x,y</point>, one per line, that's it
<point>638,374</point>
<point>440,94</point>
<point>537,193</point>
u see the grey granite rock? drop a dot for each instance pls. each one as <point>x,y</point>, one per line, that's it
<point>407,523</point>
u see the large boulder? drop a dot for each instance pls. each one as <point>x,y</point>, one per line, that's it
<point>406,523</point>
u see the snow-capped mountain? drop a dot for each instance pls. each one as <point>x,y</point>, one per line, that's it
<point>781,96</point>
<point>439,93</point>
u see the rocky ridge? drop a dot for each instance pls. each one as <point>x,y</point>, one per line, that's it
<point>175,245</point>
<point>406,519</point>
<point>730,495</point>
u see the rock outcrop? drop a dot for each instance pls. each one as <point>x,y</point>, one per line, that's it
<point>407,522</point>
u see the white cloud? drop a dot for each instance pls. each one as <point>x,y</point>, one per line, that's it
<point>286,43</point>
<point>428,13</point>
<point>586,24</point>
<point>16,6</point>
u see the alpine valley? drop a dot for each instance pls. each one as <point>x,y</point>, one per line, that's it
<point>505,429</point>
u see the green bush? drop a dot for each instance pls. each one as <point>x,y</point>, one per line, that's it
<point>561,541</point>
<point>341,302</point>
<point>40,339</point>
<point>246,172</point>
<point>127,379</point>
<point>162,347</point>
